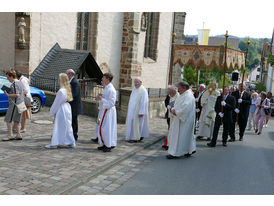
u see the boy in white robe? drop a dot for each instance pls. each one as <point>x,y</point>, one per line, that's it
<point>181,132</point>
<point>137,116</point>
<point>107,120</point>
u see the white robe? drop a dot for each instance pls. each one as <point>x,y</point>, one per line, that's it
<point>138,105</point>
<point>62,131</point>
<point>107,127</point>
<point>181,138</point>
<point>208,114</point>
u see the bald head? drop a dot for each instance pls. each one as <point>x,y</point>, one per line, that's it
<point>70,73</point>
<point>137,82</point>
<point>171,90</point>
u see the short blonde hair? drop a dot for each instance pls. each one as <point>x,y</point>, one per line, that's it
<point>64,82</point>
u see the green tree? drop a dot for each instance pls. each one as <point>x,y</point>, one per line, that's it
<point>206,76</point>
<point>189,75</point>
<point>260,86</point>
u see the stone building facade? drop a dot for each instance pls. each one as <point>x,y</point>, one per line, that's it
<point>128,44</point>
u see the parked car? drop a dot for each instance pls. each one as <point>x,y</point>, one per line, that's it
<point>39,97</point>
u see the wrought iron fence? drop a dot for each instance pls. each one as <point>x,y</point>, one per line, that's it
<point>89,88</point>
<point>156,92</point>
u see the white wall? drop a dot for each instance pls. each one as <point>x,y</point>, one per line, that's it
<point>254,74</point>
<point>109,40</point>
<point>270,79</point>
<point>155,74</point>
<point>48,28</point>
<point>7,40</point>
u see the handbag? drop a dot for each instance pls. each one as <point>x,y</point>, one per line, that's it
<point>267,111</point>
<point>21,107</point>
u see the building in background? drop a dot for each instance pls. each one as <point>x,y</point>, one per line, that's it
<point>203,35</point>
<point>214,40</point>
<point>270,69</point>
<point>128,44</point>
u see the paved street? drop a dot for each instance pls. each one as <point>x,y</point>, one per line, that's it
<point>27,168</point>
<point>243,168</point>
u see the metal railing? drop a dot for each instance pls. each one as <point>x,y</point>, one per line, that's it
<point>156,92</point>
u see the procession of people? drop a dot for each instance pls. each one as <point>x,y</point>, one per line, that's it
<point>207,109</point>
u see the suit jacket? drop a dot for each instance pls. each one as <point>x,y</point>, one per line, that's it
<point>199,100</point>
<point>227,109</point>
<point>76,104</point>
<point>244,106</point>
<point>166,104</point>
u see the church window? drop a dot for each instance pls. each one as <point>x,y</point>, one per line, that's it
<point>152,31</point>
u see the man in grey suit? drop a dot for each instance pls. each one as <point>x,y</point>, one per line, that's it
<point>76,104</point>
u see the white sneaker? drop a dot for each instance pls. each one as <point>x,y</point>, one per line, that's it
<point>266,126</point>
<point>51,146</point>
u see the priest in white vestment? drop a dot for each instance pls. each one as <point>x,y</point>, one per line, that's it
<point>62,134</point>
<point>137,115</point>
<point>107,120</point>
<point>181,132</point>
<point>208,114</point>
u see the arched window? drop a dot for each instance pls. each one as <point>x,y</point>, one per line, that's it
<point>82,30</point>
<point>152,31</point>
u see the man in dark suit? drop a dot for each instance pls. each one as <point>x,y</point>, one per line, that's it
<point>198,100</point>
<point>199,107</point>
<point>76,104</point>
<point>240,114</point>
<point>224,117</point>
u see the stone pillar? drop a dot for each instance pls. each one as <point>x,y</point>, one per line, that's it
<point>22,48</point>
<point>129,66</point>
<point>179,25</point>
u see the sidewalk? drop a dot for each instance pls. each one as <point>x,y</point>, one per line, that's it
<point>28,168</point>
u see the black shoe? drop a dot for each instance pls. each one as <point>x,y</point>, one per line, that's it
<point>241,139</point>
<point>259,133</point>
<point>133,141</point>
<point>231,140</point>
<point>141,138</point>
<point>200,137</point>
<point>112,147</point>
<point>95,140</point>
<point>208,139</point>
<point>256,130</point>
<point>224,144</point>
<point>210,144</point>
<point>165,147</point>
<point>107,149</point>
<point>101,148</point>
<point>171,157</point>
<point>187,155</point>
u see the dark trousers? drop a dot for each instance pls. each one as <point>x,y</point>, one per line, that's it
<point>75,126</point>
<point>168,122</point>
<point>216,130</point>
<point>242,122</point>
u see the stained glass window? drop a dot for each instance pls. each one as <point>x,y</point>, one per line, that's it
<point>82,31</point>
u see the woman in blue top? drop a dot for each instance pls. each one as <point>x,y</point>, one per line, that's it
<point>251,117</point>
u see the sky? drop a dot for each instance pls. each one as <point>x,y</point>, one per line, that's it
<point>243,18</point>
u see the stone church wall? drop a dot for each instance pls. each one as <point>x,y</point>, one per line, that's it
<point>109,41</point>
<point>155,74</point>
<point>47,28</point>
<point>7,40</point>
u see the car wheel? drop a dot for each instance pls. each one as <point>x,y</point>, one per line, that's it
<point>36,104</point>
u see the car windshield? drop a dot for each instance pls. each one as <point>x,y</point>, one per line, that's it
<point>4,82</point>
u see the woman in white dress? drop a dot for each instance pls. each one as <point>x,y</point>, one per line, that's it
<point>62,134</point>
